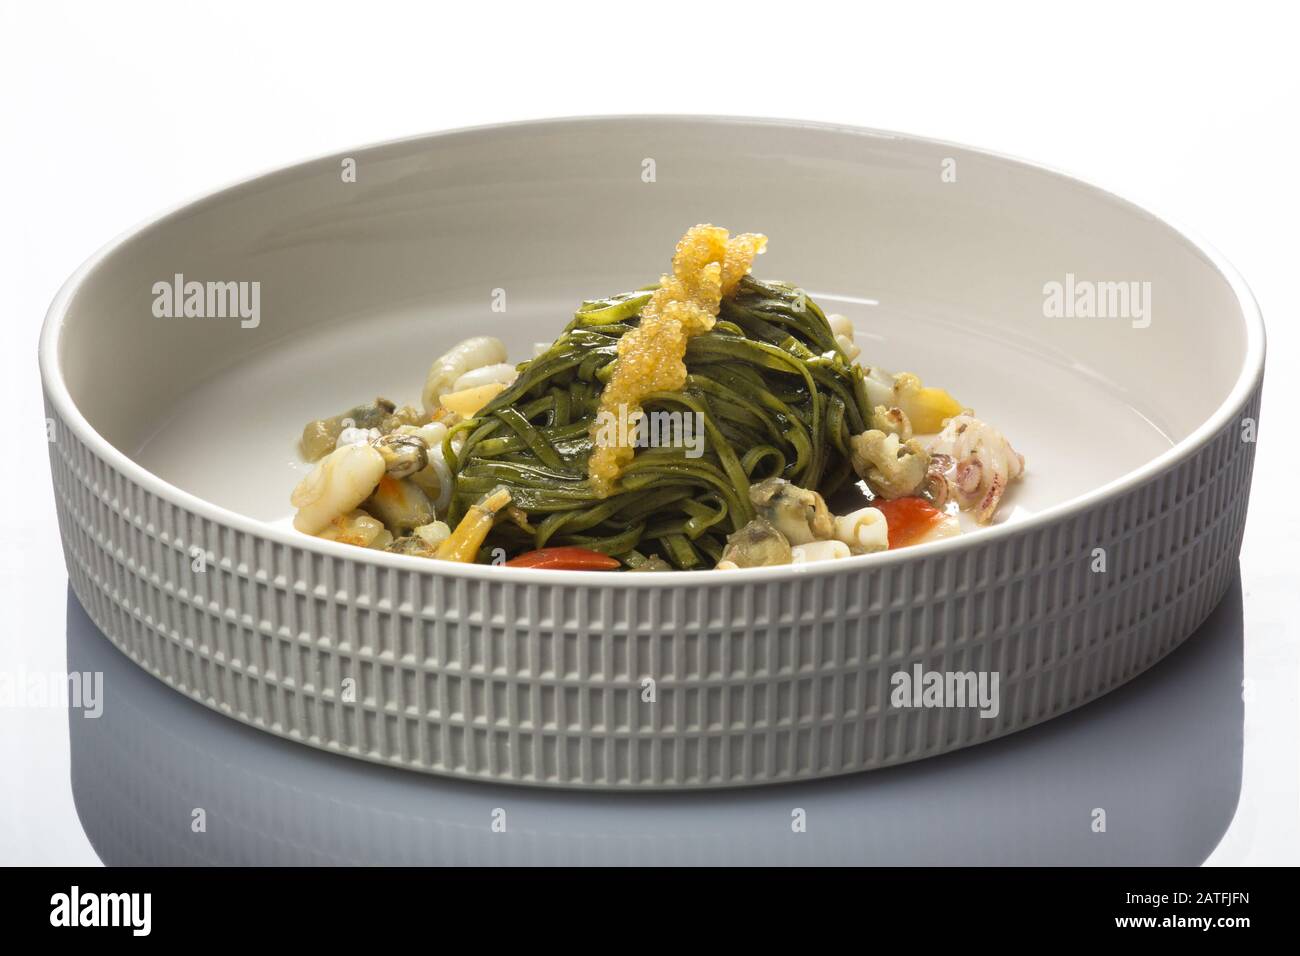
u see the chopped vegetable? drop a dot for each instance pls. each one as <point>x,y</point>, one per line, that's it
<point>468,537</point>
<point>565,559</point>
<point>928,408</point>
<point>913,520</point>
<point>467,402</point>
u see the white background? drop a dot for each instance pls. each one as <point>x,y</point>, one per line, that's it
<point>109,113</point>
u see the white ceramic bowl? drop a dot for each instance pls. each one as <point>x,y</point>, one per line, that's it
<point>174,451</point>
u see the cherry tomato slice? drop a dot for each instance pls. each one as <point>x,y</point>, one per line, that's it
<point>910,519</point>
<point>565,559</point>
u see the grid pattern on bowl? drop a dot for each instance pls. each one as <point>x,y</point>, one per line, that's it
<point>541,683</point>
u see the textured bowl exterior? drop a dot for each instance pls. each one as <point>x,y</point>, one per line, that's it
<point>755,681</point>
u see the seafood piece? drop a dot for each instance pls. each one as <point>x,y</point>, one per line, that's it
<point>880,387</point>
<point>369,415</point>
<point>467,402</point>
<point>926,408</point>
<point>864,530</point>
<point>433,433</point>
<point>980,465</point>
<point>892,421</point>
<point>500,374</point>
<point>840,325</point>
<point>799,514</point>
<point>435,478</point>
<point>409,544</point>
<point>320,437</point>
<point>406,415</point>
<point>819,551</point>
<point>891,468</point>
<point>433,534</point>
<point>404,455</point>
<point>470,354</point>
<point>358,528</point>
<point>400,504</point>
<point>842,329</point>
<point>935,488</point>
<point>422,542</point>
<point>357,436</point>
<point>464,542</point>
<point>756,545</point>
<point>339,483</point>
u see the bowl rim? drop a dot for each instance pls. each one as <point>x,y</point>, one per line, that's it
<point>1248,379</point>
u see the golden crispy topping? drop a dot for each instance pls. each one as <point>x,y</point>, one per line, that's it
<point>707,266</point>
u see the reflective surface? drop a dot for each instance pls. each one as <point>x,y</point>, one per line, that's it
<point>161,779</point>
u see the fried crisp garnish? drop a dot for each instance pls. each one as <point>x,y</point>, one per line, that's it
<point>651,358</point>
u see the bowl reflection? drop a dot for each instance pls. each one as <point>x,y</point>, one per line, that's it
<point>159,779</point>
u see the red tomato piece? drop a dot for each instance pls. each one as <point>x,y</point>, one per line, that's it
<point>565,559</point>
<point>910,519</point>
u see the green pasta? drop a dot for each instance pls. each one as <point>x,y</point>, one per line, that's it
<point>774,392</point>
